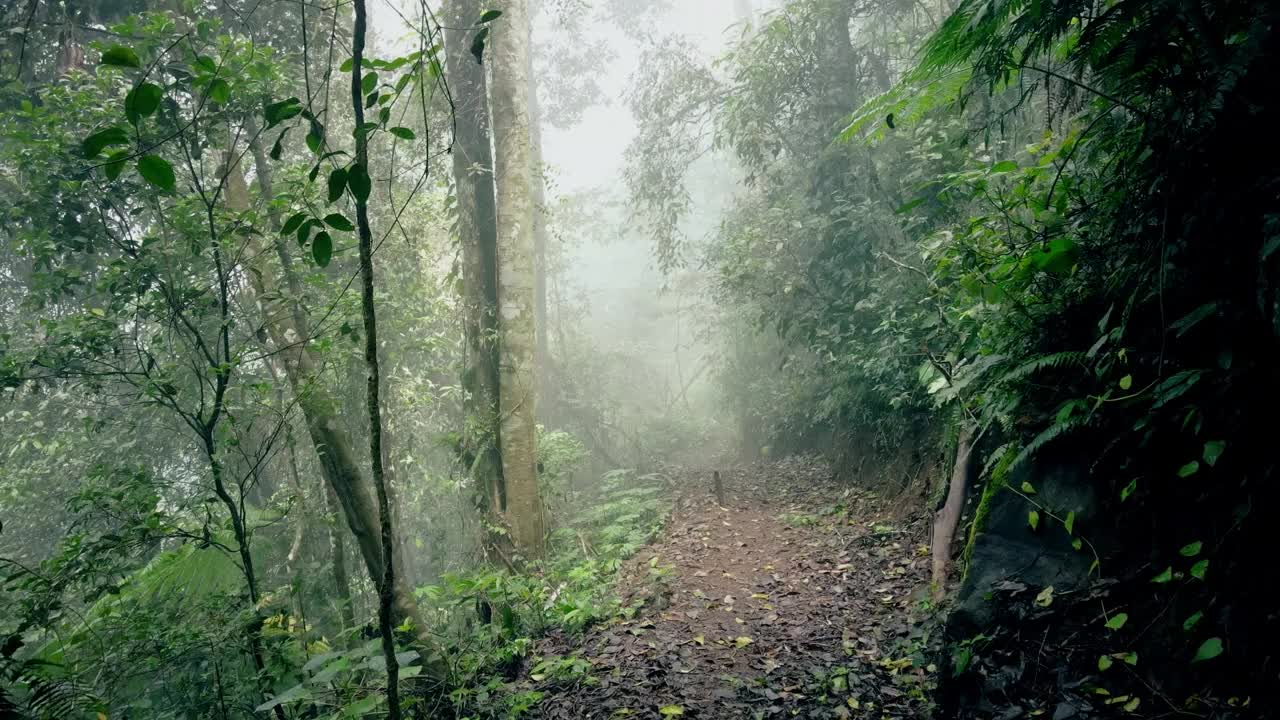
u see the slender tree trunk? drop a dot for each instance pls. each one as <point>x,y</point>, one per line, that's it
<point>516,275</point>
<point>386,583</point>
<point>478,236</point>
<point>236,511</point>
<point>944,526</point>
<point>286,327</point>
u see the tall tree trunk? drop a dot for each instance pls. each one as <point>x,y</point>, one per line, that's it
<point>516,305</point>
<point>542,357</point>
<point>386,583</point>
<point>338,560</point>
<point>478,235</point>
<point>286,327</point>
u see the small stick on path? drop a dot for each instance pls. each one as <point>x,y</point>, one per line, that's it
<point>719,486</point>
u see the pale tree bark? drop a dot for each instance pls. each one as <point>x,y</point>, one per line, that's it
<point>948,518</point>
<point>513,166</point>
<point>285,326</point>
<point>478,236</point>
<point>542,356</point>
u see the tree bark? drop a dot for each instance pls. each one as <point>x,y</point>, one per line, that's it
<point>944,525</point>
<point>516,275</point>
<point>478,236</point>
<point>285,325</point>
<point>373,407</point>
<point>338,560</point>
<point>542,356</point>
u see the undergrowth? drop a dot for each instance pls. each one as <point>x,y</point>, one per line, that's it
<point>494,616</point>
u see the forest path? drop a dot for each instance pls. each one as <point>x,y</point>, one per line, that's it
<point>796,600</point>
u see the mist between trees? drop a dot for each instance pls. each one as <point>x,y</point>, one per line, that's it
<point>356,358</point>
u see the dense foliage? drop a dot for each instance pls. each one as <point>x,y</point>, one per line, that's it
<point>1054,222</point>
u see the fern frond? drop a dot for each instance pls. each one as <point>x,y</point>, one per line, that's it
<point>1052,361</point>
<point>1046,436</point>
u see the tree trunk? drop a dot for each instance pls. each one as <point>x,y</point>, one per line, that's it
<point>478,236</point>
<point>542,357</point>
<point>944,526</point>
<point>516,295</point>
<point>368,313</point>
<point>285,325</point>
<point>338,560</point>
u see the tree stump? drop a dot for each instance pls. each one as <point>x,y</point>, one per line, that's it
<point>719,488</point>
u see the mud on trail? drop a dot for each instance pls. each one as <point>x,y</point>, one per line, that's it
<point>796,600</point>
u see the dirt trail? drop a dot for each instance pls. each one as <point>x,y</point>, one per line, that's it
<point>781,605</point>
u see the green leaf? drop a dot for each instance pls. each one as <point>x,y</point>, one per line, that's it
<point>477,45</point>
<point>1213,450</point>
<point>304,230</point>
<point>368,82</point>
<point>315,137</point>
<point>1209,649</point>
<point>1199,569</point>
<point>1033,519</point>
<point>278,148</point>
<point>1128,490</point>
<point>1126,382</point>
<point>114,135</point>
<point>1058,256</point>
<point>115,164</point>
<point>1164,577</point>
<point>157,171</point>
<point>403,133</point>
<point>1191,549</point>
<point>670,710</point>
<point>1131,658</point>
<point>1191,621</point>
<point>489,16</point>
<point>121,56</point>
<point>1077,543</point>
<point>1028,488</point>
<point>338,221</point>
<point>347,65</point>
<point>142,101</point>
<point>218,91</point>
<point>1104,662</point>
<point>322,249</point>
<point>278,112</point>
<point>337,183</point>
<point>1193,318</point>
<point>1117,621</point>
<point>293,223</point>
<point>359,182</point>
<point>1070,523</point>
<point>205,65</point>
<point>1004,166</point>
<point>1189,469</point>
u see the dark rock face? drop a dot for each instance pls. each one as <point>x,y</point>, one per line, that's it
<point>1005,631</point>
<point>1010,553</point>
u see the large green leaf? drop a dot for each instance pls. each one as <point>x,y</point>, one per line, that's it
<point>1209,650</point>
<point>121,56</point>
<point>337,183</point>
<point>157,171</point>
<point>359,182</point>
<point>142,101</point>
<point>1058,256</point>
<point>322,249</point>
<point>278,112</point>
<point>114,135</point>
